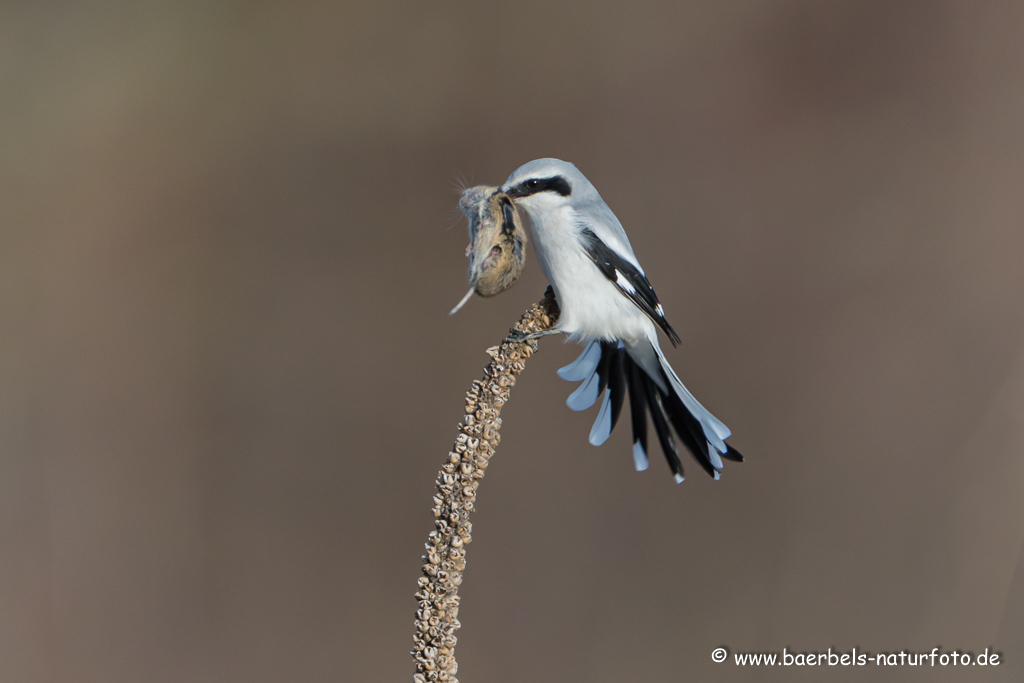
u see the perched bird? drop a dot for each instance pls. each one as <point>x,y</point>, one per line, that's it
<point>607,302</point>
<point>497,241</point>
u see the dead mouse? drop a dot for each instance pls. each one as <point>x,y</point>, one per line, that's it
<point>497,241</point>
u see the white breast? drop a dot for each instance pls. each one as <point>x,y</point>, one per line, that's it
<point>592,307</point>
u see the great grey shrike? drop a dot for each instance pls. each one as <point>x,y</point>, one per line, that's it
<point>607,302</point>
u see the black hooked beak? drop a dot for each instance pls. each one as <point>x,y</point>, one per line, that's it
<point>515,191</point>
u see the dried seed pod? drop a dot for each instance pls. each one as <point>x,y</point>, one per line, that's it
<point>497,241</point>
<point>445,558</point>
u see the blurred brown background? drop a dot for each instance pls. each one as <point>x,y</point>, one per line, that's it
<point>227,378</point>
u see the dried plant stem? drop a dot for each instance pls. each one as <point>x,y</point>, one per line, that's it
<point>457,482</point>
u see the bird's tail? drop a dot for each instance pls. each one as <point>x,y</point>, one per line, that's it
<point>642,371</point>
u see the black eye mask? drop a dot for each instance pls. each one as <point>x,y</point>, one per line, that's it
<point>556,184</point>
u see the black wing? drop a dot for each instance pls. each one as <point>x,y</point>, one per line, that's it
<point>628,279</point>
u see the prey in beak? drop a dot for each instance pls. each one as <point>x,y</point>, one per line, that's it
<point>497,241</point>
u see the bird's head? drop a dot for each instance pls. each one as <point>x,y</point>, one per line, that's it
<point>545,184</point>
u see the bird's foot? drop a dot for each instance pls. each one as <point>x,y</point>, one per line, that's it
<point>528,337</point>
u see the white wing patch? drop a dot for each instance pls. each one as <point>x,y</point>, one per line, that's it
<point>623,283</point>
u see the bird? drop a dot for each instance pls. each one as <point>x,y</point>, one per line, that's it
<point>608,304</point>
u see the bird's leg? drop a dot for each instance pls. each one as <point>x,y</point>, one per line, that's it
<point>517,336</point>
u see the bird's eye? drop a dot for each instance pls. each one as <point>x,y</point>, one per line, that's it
<point>533,184</point>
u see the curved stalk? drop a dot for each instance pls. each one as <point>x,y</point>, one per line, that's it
<point>457,482</point>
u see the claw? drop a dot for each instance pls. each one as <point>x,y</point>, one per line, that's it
<point>517,336</point>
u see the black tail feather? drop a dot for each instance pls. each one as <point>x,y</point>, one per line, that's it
<point>690,432</point>
<point>668,444</point>
<point>637,403</point>
<point>617,383</point>
<point>619,373</point>
<point>733,454</point>
<point>604,366</point>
